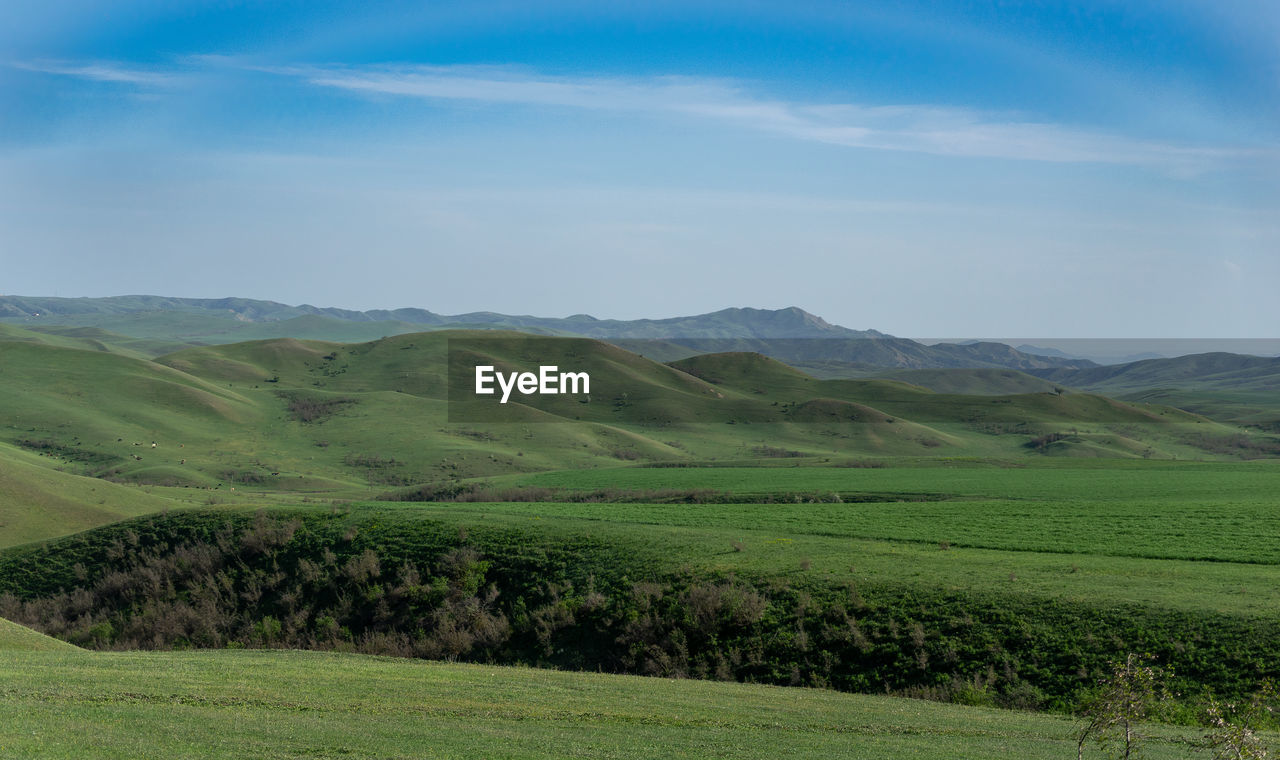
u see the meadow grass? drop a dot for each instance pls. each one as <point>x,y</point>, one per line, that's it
<point>14,638</point>
<point>1107,479</point>
<point>1190,511</point>
<point>285,704</point>
<point>1176,535</point>
<point>691,540</point>
<point>37,501</point>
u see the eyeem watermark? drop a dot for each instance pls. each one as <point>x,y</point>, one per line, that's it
<point>548,381</point>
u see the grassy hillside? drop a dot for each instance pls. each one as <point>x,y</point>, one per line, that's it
<point>330,410</point>
<point>1258,410</point>
<point>299,418</point>
<point>37,501</point>
<point>294,704</point>
<point>1228,387</point>
<point>17,638</point>
<point>1221,371</point>
<point>760,375</point>
<point>87,339</point>
<point>100,413</point>
<point>983,382</point>
<point>1056,424</point>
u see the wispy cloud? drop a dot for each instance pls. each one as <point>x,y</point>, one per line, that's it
<point>912,128</point>
<point>98,71</point>
<point>936,130</point>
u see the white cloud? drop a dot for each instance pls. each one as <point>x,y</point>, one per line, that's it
<point>100,72</point>
<point>913,128</point>
<point>928,129</point>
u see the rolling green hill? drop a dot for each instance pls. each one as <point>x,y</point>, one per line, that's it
<point>305,418</point>
<point>1253,409</point>
<point>1227,387</point>
<point>88,339</point>
<point>849,355</point>
<point>1219,371</point>
<point>770,379</point>
<point>38,501</point>
<point>88,399</point>
<point>975,382</point>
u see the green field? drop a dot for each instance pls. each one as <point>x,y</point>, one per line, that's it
<point>300,704</point>
<point>1193,511</point>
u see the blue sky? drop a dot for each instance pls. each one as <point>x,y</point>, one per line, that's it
<point>926,169</point>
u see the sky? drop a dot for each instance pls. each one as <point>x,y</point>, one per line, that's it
<point>957,169</point>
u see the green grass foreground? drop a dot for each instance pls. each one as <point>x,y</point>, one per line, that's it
<point>287,704</point>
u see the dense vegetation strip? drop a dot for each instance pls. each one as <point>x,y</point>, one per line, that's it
<point>458,491</point>
<point>392,582</point>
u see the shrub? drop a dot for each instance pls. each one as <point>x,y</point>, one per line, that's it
<point>308,409</point>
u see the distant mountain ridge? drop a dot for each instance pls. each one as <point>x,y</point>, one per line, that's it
<point>791,334</point>
<point>790,322</point>
<point>1216,370</point>
<point>1228,387</point>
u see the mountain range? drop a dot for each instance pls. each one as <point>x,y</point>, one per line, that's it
<point>1229,387</point>
<point>791,334</point>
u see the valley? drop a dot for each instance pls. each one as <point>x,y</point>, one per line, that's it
<point>983,537</point>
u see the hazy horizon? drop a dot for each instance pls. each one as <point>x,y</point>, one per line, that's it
<point>1103,350</point>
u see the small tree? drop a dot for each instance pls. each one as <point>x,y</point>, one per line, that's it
<point>1233,727</point>
<point>1127,696</point>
